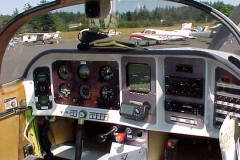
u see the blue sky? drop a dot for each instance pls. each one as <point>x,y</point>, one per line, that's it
<point>7,7</point>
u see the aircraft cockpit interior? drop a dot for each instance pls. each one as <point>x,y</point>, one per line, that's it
<point>113,97</point>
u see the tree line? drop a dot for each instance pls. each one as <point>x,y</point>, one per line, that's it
<point>140,17</point>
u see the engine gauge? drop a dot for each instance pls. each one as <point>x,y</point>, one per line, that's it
<point>107,93</point>
<point>63,72</point>
<point>84,72</point>
<point>64,90</point>
<point>43,100</point>
<point>106,73</point>
<point>41,76</point>
<point>85,91</point>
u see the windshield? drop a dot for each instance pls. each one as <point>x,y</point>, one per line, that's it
<point>149,24</point>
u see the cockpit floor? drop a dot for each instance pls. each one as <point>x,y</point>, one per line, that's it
<point>89,153</point>
<point>188,148</point>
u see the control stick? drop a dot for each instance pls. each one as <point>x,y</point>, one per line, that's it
<point>102,137</point>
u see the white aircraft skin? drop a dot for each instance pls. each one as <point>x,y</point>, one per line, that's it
<point>162,35</point>
<point>43,37</point>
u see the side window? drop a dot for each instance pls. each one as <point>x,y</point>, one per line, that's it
<point>148,32</point>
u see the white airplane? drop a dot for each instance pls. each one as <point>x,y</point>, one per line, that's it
<point>43,37</point>
<point>204,32</point>
<point>162,35</point>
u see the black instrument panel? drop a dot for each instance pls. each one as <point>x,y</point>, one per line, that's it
<point>184,91</point>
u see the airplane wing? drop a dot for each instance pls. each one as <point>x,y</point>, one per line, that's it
<point>33,34</point>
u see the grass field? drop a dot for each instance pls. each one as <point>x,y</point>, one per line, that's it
<point>127,31</point>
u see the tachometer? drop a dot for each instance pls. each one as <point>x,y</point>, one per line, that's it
<point>106,93</point>
<point>106,73</point>
<point>85,91</point>
<point>63,72</point>
<point>64,90</point>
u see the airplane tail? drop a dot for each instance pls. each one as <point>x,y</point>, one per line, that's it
<point>202,29</point>
<point>56,34</point>
<point>186,29</point>
<point>186,26</point>
<point>205,28</point>
<point>199,28</point>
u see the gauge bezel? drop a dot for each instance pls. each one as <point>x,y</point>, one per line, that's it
<point>64,75</point>
<point>43,77</point>
<point>64,95</point>
<point>45,102</point>
<point>104,74</point>
<point>107,99</point>
<point>82,88</point>
<point>84,75</point>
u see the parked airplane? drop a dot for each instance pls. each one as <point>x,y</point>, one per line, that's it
<point>42,37</point>
<point>162,35</point>
<point>200,29</point>
<point>206,33</point>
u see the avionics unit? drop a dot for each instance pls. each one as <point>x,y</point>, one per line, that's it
<point>227,96</point>
<point>139,89</point>
<point>184,91</point>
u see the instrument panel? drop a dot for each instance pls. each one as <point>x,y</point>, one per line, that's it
<point>227,99</point>
<point>157,92</point>
<point>86,83</point>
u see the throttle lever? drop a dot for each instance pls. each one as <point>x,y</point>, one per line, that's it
<point>102,137</point>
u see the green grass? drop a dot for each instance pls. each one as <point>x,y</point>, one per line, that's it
<point>127,31</point>
<point>69,35</point>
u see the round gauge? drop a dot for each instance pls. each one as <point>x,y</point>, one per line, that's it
<point>106,73</point>
<point>84,72</point>
<point>63,72</point>
<point>107,93</point>
<point>42,88</point>
<point>42,76</point>
<point>64,90</point>
<point>85,91</point>
<point>43,100</point>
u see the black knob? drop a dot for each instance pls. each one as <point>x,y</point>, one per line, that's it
<point>102,138</point>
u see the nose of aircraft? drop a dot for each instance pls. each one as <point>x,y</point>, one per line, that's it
<point>136,35</point>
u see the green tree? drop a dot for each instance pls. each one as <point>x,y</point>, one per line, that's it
<point>129,16</point>
<point>4,19</point>
<point>27,6</point>
<point>143,14</point>
<point>15,12</point>
<point>59,23</point>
